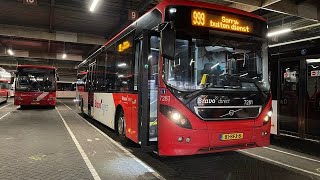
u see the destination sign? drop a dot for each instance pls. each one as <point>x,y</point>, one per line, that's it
<point>222,22</point>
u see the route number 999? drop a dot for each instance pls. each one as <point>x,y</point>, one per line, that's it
<point>198,18</point>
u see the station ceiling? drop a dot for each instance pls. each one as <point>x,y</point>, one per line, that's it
<point>41,33</point>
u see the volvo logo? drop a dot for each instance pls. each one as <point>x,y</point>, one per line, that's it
<point>231,112</point>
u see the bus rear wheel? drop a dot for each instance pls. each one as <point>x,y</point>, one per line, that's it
<point>121,128</point>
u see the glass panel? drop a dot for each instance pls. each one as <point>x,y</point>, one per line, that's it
<point>153,61</point>
<point>35,79</point>
<point>218,63</point>
<point>313,99</point>
<point>289,96</point>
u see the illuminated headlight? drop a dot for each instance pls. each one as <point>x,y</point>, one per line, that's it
<point>175,116</point>
<point>267,118</point>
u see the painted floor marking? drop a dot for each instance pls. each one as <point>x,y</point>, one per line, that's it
<point>93,171</point>
<point>150,169</point>
<point>5,106</point>
<point>284,152</point>
<point>279,163</point>
<point>5,115</point>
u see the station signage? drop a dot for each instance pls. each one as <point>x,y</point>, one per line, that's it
<point>223,22</point>
<point>30,2</point>
<point>315,73</point>
<point>133,15</point>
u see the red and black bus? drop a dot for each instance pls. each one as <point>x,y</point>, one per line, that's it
<point>5,83</point>
<point>35,85</point>
<point>185,78</point>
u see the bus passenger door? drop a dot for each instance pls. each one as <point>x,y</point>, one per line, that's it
<point>148,90</point>
<point>91,79</point>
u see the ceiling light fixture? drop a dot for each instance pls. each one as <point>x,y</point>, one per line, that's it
<point>10,52</point>
<point>313,60</point>
<point>282,31</point>
<point>93,5</point>
<point>64,55</point>
<point>122,64</point>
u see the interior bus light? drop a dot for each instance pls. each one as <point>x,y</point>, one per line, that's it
<point>10,52</point>
<point>93,5</point>
<point>282,31</point>
<point>214,66</point>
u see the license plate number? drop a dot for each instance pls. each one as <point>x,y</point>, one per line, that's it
<point>231,136</point>
<point>35,103</point>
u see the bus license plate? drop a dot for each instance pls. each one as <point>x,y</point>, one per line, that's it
<point>232,136</point>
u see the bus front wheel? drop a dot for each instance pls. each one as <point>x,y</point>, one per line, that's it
<point>121,128</point>
<point>6,98</point>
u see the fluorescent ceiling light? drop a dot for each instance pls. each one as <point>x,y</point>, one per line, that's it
<point>282,31</point>
<point>172,10</point>
<point>64,55</point>
<point>122,64</point>
<point>10,52</point>
<point>313,60</point>
<point>93,5</point>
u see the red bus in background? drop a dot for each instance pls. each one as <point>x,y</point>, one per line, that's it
<point>5,81</point>
<point>185,78</point>
<point>35,85</point>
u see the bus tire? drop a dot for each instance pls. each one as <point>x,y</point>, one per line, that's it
<point>120,127</point>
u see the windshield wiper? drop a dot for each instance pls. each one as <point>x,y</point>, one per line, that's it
<point>242,79</point>
<point>196,93</point>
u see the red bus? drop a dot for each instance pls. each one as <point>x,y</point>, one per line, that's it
<point>35,85</point>
<point>185,78</point>
<point>5,80</point>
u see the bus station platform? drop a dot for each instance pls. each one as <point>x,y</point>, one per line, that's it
<point>44,143</point>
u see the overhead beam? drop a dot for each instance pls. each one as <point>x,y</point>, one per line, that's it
<point>43,34</point>
<point>289,7</point>
<point>51,16</point>
<point>43,55</point>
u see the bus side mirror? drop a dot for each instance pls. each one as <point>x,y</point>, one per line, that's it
<point>168,43</point>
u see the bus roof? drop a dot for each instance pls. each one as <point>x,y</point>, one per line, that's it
<point>161,7</point>
<point>36,67</point>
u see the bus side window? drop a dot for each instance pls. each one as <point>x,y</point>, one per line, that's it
<point>136,64</point>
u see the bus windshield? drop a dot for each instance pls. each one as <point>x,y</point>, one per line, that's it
<point>35,79</point>
<point>218,63</point>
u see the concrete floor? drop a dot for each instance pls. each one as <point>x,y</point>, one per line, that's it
<point>39,143</point>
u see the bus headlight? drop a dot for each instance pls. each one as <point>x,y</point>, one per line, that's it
<point>267,118</point>
<point>175,116</point>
